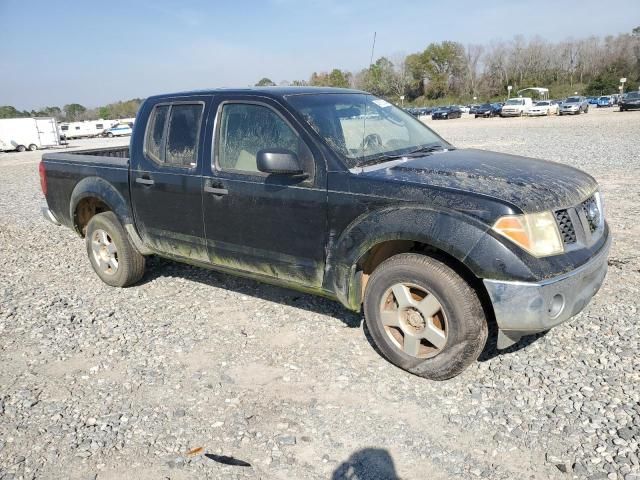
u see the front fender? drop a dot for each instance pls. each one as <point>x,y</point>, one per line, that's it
<point>95,187</point>
<point>447,230</point>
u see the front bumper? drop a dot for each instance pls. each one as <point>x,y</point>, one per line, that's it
<point>523,308</point>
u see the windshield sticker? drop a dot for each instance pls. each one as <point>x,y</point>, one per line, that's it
<point>382,103</point>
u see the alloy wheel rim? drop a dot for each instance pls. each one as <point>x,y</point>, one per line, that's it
<point>104,252</point>
<point>414,320</point>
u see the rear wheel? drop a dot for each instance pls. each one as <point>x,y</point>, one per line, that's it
<point>33,147</point>
<point>424,317</point>
<point>110,135</point>
<point>114,259</point>
<point>21,148</point>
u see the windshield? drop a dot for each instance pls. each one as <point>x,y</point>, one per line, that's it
<point>541,104</point>
<point>364,129</point>
<point>632,95</point>
<point>515,101</point>
<point>604,98</point>
<point>573,100</point>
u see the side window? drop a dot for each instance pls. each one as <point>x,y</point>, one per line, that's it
<point>184,132</point>
<point>245,129</point>
<point>155,133</point>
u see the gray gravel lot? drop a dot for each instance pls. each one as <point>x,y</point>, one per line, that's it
<point>105,383</point>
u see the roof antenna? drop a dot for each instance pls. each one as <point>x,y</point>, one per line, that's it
<point>372,48</point>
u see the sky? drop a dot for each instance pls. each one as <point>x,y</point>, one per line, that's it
<point>93,53</point>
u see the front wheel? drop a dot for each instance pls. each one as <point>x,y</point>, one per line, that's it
<point>33,147</point>
<point>424,317</point>
<point>114,259</point>
<point>110,135</point>
<point>21,148</point>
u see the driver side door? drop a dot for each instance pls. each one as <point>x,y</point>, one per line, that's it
<point>267,225</point>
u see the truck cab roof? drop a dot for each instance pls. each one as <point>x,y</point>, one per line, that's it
<point>274,92</point>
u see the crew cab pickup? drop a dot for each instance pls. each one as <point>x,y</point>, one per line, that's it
<point>341,194</point>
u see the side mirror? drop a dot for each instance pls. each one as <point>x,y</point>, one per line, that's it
<point>279,161</point>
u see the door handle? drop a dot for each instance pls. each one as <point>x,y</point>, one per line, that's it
<point>215,190</point>
<point>145,181</point>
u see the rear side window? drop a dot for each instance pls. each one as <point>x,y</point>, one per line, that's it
<point>155,133</point>
<point>172,134</point>
<point>184,130</point>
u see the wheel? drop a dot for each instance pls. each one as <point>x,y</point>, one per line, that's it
<point>621,109</point>
<point>21,148</point>
<point>110,135</point>
<point>33,147</point>
<point>112,256</point>
<point>586,110</point>
<point>423,317</point>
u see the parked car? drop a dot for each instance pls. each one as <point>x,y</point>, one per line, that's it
<point>487,110</point>
<point>118,130</point>
<point>516,107</point>
<point>464,108</point>
<point>278,185</point>
<point>474,108</point>
<point>630,101</point>
<point>446,113</point>
<point>604,101</point>
<point>422,111</point>
<point>574,106</point>
<point>592,100</point>
<point>542,107</point>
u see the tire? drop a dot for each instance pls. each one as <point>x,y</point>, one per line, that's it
<point>21,148</point>
<point>107,241</point>
<point>110,135</point>
<point>33,147</point>
<point>460,321</point>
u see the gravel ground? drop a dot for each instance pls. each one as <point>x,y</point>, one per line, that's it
<point>106,383</point>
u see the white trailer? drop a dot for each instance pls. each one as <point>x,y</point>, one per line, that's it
<point>28,133</point>
<point>88,128</point>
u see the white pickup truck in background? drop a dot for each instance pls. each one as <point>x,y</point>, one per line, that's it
<point>516,107</point>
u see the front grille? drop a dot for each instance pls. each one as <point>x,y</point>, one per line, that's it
<point>592,212</point>
<point>567,231</point>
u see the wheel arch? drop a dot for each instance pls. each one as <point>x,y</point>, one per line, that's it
<point>443,234</point>
<point>93,195</point>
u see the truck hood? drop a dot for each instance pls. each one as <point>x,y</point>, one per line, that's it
<point>529,184</point>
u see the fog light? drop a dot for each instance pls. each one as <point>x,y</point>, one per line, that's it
<point>556,306</point>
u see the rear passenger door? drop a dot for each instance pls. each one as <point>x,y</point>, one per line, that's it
<point>166,178</point>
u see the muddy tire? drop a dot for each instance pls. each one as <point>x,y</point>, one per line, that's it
<point>114,259</point>
<point>424,317</point>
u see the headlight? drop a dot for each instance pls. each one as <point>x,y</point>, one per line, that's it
<point>537,233</point>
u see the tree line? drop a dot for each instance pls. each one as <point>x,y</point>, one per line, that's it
<point>74,112</point>
<point>449,71</point>
<point>452,71</point>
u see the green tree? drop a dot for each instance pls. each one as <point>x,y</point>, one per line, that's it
<point>440,67</point>
<point>8,111</point>
<point>265,82</point>
<point>73,111</point>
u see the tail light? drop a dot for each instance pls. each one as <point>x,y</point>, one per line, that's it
<point>43,178</point>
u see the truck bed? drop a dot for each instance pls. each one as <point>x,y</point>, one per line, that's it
<point>102,167</point>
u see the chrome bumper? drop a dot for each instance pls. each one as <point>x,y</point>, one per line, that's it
<point>523,308</point>
<point>46,213</point>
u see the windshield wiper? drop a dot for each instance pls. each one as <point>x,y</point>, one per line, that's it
<point>385,158</point>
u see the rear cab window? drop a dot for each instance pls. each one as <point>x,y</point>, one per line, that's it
<point>173,134</point>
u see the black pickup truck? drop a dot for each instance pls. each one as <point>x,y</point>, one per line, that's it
<point>339,193</point>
